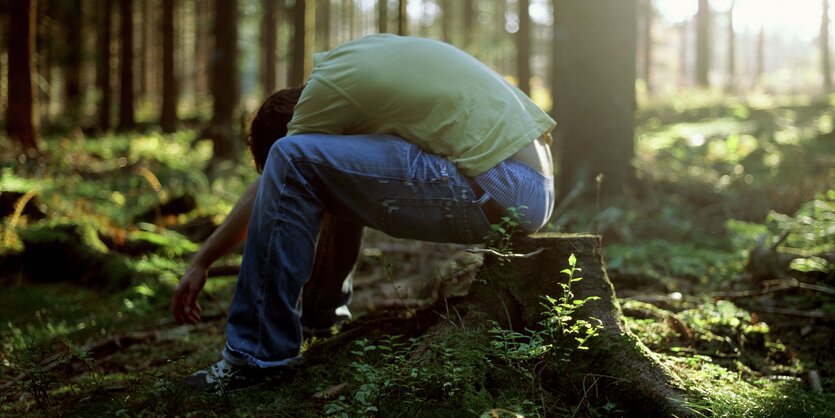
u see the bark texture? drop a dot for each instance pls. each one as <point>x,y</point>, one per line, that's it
<point>126,97</point>
<point>170,88</point>
<point>23,102</point>
<point>703,29</point>
<point>594,94</point>
<point>224,81</point>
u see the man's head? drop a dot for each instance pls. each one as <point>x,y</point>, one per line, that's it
<point>270,123</point>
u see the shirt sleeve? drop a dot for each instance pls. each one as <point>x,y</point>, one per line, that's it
<point>322,109</point>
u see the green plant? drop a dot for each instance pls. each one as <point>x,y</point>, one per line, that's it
<point>23,360</point>
<point>560,334</point>
<point>501,233</point>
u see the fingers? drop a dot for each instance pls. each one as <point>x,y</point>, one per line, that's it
<point>193,312</point>
<point>185,307</point>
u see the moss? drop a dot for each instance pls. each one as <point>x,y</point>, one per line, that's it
<point>71,253</point>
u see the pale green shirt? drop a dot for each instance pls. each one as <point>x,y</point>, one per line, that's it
<point>424,91</point>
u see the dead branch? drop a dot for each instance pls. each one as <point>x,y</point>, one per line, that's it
<point>795,312</point>
<point>503,255</point>
<point>774,286</point>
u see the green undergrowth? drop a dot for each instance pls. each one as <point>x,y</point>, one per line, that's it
<point>718,180</point>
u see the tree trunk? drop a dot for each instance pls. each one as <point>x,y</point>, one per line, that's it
<point>45,39</point>
<point>71,17</point>
<point>402,18</point>
<point>4,73</point>
<point>446,21</point>
<point>470,18</point>
<point>649,18</point>
<point>683,65</point>
<point>826,65</point>
<point>168,117</point>
<point>144,47</point>
<point>382,16</point>
<point>269,32</point>
<point>126,99</point>
<point>760,70</point>
<point>152,55</point>
<point>21,125</point>
<point>323,25</point>
<point>731,49</point>
<point>523,48</point>
<point>499,35</point>
<point>512,295</point>
<point>224,81</point>
<point>301,61</point>
<point>595,93</point>
<point>202,46</point>
<point>103,73</point>
<point>553,73</point>
<point>350,18</point>
<point>703,18</point>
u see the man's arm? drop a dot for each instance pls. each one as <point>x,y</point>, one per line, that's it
<point>226,237</point>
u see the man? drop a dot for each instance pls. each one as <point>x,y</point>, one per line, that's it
<point>406,135</point>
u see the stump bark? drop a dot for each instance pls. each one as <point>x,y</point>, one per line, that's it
<point>625,370</point>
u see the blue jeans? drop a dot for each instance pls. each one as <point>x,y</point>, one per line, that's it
<point>343,182</point>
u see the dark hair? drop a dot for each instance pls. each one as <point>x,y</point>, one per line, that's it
<point>270,123</point>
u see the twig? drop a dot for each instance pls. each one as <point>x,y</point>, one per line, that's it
<point>218,271</point>
<point>795,312</point>
<point>503,255</point>
<point>776,286</point>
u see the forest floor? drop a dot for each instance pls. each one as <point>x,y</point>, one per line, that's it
<point>722,256</point>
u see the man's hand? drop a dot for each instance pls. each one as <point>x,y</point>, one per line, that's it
<point>184,303</point>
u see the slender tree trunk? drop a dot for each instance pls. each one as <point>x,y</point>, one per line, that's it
<point>152,72</point>
<point>168,117</point>
<point>446,21</point>
<point>269,33</point>
<point>126,96</point>
<point>402,18</point>
<point>760,71</point>
<point>323,25</point>
<point>555,62</point>
<point>71,18</point>
<point>703,18</point>
<point>301,61</point>
<point>182,61</point>
<point>4,63</point>
<point>103,73</point>
<point>45,39</point>
<point>382,16</point>
<point>523,48</point>
<point>469,16</point>
<point>826,64</point>
<point>649,18</point>
<point>499,34</point>
<point>224,81</point>
<point>144,47</point>
<point>684,38</point>
<point>202,46</point>
<point>731,49</point>
<point>595,99</point>
<point>21,125</point>
<point>351,18</point>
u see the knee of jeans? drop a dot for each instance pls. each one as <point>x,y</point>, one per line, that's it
<point>285,148</point>
<point>289,149</point>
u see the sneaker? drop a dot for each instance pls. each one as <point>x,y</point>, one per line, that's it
<point>223,377</point>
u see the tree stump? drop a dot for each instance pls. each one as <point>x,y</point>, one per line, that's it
<point>511,293</point>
